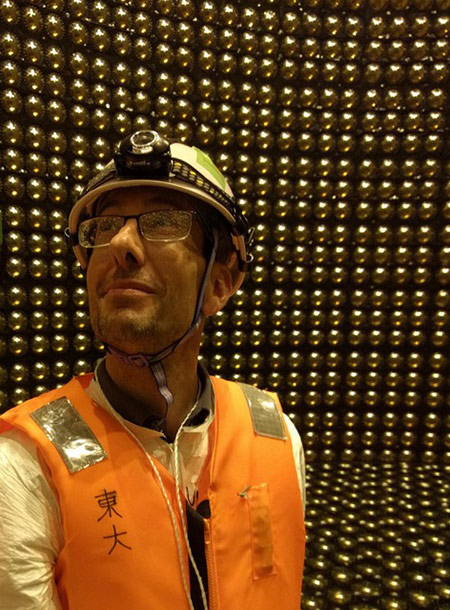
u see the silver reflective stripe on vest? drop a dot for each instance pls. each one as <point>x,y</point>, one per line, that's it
<point>70,434</point>
<point>266,416</point>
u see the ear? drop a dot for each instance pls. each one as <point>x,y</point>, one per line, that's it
<point>219,289</point>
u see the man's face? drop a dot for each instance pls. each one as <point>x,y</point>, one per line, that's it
<point>142,294</point>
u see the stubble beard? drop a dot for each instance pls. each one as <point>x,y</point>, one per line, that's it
<point>132,333</point>
<point>129,333</point>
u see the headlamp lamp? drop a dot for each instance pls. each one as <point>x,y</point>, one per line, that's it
<point>143,152</point>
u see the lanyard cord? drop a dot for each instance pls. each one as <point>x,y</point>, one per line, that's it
<point>182,514</point>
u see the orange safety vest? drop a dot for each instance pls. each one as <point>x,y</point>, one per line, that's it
<point>120,547</point>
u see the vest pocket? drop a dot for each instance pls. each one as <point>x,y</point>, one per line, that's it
<point>261,531</point>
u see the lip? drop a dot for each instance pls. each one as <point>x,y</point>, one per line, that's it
<point>129,287</point>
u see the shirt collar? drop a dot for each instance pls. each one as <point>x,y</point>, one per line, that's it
<point>137,413</point>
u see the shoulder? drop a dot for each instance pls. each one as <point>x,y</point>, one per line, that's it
<point>25,480</point>
<point>19,461</point>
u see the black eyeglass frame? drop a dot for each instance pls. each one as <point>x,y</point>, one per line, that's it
<point>192,213</point>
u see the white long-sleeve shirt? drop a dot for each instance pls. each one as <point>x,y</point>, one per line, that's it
<point>31,534</point>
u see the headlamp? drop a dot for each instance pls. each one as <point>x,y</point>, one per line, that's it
<point>143,152</point>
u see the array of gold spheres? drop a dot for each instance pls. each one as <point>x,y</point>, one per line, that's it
<point>378,537</point>
<point>331,119</point>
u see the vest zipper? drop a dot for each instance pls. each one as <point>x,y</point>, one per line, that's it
<point>210,567</point>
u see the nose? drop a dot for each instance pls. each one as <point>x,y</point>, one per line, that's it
<point>127,246</point>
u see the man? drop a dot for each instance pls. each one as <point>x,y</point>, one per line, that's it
<point>149,484</point>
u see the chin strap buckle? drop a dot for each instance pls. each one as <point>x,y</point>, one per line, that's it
<point>138,360</point>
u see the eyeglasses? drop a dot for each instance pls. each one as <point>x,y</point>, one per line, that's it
<point>158,225</point>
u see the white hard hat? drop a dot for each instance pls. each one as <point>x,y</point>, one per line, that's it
<point>144,159</point>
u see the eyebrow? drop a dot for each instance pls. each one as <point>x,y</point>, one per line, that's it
<point>102,205</point>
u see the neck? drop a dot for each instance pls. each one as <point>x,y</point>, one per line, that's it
<point>139,385</point>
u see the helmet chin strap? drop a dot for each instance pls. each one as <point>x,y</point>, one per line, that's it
<point>154,361</point>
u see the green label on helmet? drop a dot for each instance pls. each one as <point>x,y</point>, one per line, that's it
<point>205,161</point>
